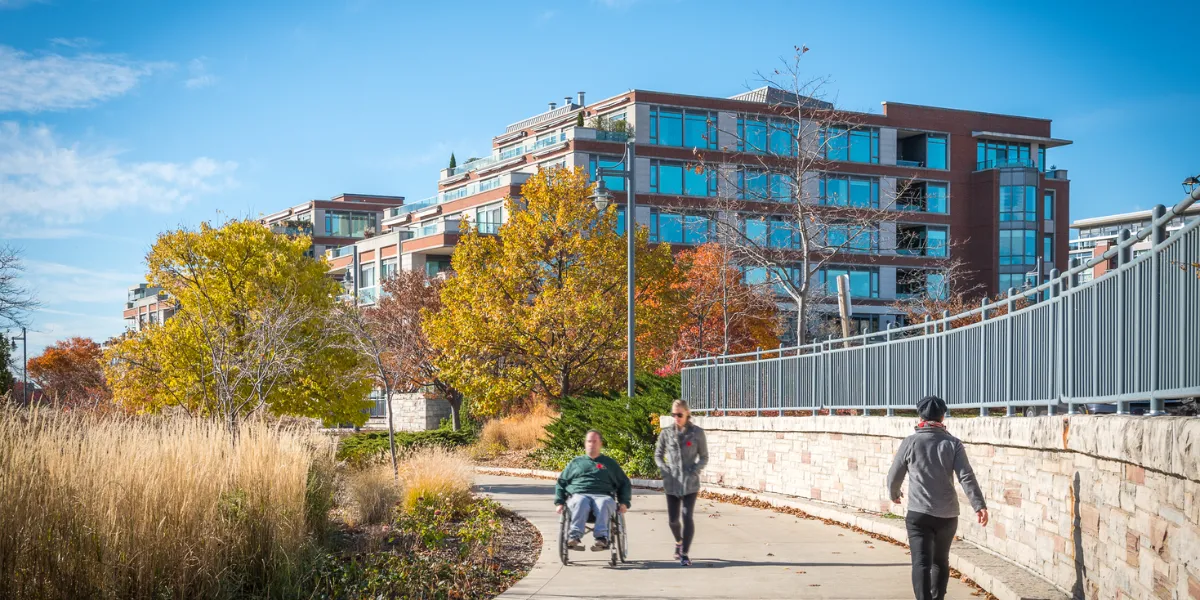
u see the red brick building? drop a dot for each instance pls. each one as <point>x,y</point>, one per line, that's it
<point>982,193</point>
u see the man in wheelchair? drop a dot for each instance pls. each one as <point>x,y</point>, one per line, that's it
<point>587,487</point>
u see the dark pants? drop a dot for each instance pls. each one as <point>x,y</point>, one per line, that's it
<point>688,504</point>
<point>929,538</point>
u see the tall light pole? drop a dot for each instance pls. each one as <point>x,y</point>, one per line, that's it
<point>601,198</point>
<point>24,364</point>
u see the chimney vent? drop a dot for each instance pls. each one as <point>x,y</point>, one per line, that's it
<point>552,105</point>
<point>581,99</point>
<point>566,101</point>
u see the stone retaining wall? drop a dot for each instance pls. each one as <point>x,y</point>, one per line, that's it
<point>1102,507</point>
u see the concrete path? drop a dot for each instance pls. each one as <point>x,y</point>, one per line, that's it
<point>737,553</point>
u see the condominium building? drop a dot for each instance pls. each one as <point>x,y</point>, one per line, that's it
<point>336,222</point>
<point>148,305</point>
<point>1096,235</point>
<point>974,186</point>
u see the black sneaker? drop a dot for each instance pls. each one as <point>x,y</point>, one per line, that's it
<point>678,551</point>
<point>600,544</point>
<point>574,544</point>
<point>684,561</point>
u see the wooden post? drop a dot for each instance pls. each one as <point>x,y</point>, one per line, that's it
<point>843,287</point>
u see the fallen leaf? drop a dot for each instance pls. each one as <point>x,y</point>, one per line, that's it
<point>769,554</point>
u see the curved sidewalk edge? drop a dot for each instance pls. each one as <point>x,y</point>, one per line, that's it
<point>995,574</point>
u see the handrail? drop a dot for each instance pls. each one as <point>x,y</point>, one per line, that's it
<point>1062,281</point>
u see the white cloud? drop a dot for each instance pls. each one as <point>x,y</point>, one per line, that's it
<point>546,15</point>
<point>57,284</point>
<point>46,82</point>
<point>75,42</point>
<point>44,182</point>
<point>198,75</point>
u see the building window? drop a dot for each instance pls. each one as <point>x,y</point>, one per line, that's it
<point>489,184</point>
<point>1018,246</point>
<point>761,186</point>
<point>1018,203</point>
<point>855,192</point>
<point>434,266</point>
<point>1048,247</point>
<point>921,240</point>
<point>771,233</point>
<point>1048,204</point>
<point>1011,281</point>
<point>935,151</point>
<point>615,183</point>
<point>864,281</point>
<point>683,127</point>
<point>991,154</point>
<point>852,238</point>
<point>1042,158</point>
<point>387,269</point>
<point>854,145</point>
<point>924,197</point>
<point>348,224</point>
<point>675,228</point>
<point>681,179</point>
<point>487,219</point>
<point>757,135</point>
<point>367,276</point>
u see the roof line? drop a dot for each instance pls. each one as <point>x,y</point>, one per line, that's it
<point>963,110</point>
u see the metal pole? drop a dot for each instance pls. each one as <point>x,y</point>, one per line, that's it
<point>1157,236</point>
<point>887,385</point>
<point>1123,254</point>
<point>1056,364</point>
<point>983,410</point>
<point>945,389</point>
<point>25,367</point>
<point>630,217</point>
<point>1009,410</point>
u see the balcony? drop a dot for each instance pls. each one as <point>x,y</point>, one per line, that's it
<point>505,179</point>
<point>342,251</point>
<point>368,295</point>
<point>921,240</point>
<point>1006,163</point>
<point>483,163</point>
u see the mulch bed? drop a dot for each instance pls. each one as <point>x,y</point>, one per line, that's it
<point>519,547</point>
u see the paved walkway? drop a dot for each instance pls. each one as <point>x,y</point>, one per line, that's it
<point>738,553</point>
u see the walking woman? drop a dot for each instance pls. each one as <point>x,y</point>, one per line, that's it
<point>681,453</point>
<point>932,458</point>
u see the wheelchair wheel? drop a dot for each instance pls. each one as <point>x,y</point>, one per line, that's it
<point>564,529</point>
<point>622,538</point>
<point>614,535</point>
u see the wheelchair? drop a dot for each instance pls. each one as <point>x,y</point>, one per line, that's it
<point>618,535</point>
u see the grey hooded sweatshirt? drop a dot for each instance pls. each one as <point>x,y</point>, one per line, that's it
<point>932,457</point>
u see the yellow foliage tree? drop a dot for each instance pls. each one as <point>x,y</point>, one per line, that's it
<point>251,332</point>
<point>540,309</point>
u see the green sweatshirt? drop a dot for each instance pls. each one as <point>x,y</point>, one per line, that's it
<point>586,476</point>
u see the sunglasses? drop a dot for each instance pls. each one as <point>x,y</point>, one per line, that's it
<point>677,415</point>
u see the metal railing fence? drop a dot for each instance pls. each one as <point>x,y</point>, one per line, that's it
<point>1131,335</point>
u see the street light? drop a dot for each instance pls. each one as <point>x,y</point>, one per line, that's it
<point>24,365</point>
<point>601,198</point>
<point>1191,183</point>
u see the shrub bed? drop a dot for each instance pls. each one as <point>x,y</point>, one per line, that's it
<point>360,449</point>
<point>629,426</point>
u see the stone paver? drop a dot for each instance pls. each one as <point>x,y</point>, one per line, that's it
<point>738,553</point>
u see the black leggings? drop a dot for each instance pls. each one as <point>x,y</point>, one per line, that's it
<point>689,526</point>
<point>929,538</point>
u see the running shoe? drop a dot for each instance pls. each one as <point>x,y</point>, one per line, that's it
<point>600,544</point>
<point>685,561</point>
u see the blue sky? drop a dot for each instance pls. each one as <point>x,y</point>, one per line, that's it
<point>121,119</point>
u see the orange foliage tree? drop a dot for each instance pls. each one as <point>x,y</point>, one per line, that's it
<point>70,372</point>
<point>722,314</point>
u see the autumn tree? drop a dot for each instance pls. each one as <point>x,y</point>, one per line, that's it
<point>540,309</point>
<point>721,313</point>
<point>70,372</point>
<point>413,298</point>
<point>250,335</point>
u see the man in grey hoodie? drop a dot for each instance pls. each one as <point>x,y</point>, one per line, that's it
<point>932,457</point>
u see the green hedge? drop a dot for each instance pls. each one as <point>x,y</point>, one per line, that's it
<point>629,427</point>
<point>360,448</point>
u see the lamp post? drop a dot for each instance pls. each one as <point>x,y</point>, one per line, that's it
<point>601,198</point>
<point>24,364</point>
<point>1191,183</point>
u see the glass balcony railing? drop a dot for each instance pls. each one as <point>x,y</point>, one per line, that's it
<point>1005,163</point>
<point>900,162</point>
<point>368,295</point>
<point>612,136</point>
<point>342,251</point>
<point>482,163</point>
